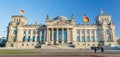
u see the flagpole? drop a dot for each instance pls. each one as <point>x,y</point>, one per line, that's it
<point>84,35</point>
<point>86,21</point>
<point>84,32</point>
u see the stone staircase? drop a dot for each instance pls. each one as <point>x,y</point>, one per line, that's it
<point>61,46</point>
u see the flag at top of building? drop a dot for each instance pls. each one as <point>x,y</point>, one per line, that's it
<point>22,12</point>
<point>86,19</point>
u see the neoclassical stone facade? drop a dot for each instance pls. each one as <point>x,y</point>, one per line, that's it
<point>60,31</point>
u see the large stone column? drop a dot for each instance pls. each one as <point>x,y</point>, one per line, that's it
<point>26,35</point>
<point>113,34</point>
<point>68,37</point>
<point>47,40</point>
<point>52,36</point>
<point>80,35</point>
<point>95,35</point>
<point>90,36</point>
<point>9,38</point>
<point>70,34</point>
<point>18,38</point>
<point>62,35</point>
<point>31,35</point>
<point>40,36</point>
<point>103,34</point>
<point>85,37</point>
<point>57,37</point>
<point>36,36</point>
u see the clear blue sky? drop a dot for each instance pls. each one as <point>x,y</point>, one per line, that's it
<point>36,10</point>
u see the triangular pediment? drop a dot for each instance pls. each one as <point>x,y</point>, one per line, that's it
<point>61,22</point>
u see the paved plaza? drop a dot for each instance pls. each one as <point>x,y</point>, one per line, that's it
<point>64,53</point>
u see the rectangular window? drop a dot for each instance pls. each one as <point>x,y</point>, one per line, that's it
<point>78,38</point>
<point>34,32</point>
<point>97,38</point>
<point>83,39</point>
<point>88,39</point>
<point>78,32</point>
<point>38,33</point>
<point>97,32</point>
<point>83,31</point>
<point>88,31</point>
<point>92,31</point>
<point>38,38</point>
<point>93,39</point>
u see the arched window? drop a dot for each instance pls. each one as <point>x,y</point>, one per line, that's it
<point>33,40</point>
<point>15,32</point>
<point>28,38</point>
<point>14,39</point>
<point>23,39</point>
<point>107,32</point>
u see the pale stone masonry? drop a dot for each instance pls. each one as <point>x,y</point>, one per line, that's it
<point>60,31</point>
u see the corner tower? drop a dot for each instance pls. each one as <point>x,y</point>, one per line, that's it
<point>103,19</point>
<point>106,28</point>
<point>18,20</point>
<point>14,31</point>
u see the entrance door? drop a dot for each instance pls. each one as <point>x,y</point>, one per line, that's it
<point>60,35</point>
<point>55,36</point>
<point>65,36</point>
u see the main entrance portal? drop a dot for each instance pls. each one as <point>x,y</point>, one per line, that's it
<point>58,36</point>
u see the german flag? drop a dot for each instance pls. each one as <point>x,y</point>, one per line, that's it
<point>22,12</point>
<point>86,19</point>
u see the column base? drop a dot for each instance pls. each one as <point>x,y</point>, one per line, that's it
<point>69,42</point>
<point>63,42</point>
<point>57,42</point>
<point>52,42</point>
<point>46,43</point>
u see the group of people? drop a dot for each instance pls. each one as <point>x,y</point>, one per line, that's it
<point>100,48</point>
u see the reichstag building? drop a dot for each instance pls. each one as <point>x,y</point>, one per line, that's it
<point>60,32</point>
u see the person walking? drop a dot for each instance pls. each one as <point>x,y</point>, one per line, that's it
<point>95,49</point>
<point>102,49</point>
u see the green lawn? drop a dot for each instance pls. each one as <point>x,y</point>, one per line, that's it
<point>16,52</point>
